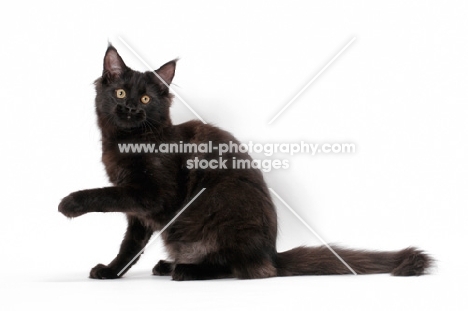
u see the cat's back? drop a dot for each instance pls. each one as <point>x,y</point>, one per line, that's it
<point>195,131</point>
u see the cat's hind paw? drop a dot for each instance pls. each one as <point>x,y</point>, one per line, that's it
<point>163,268</point>
<point>103,272</point>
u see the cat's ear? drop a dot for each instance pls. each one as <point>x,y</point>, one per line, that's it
<point>167,71</point>
<point>114,66</point>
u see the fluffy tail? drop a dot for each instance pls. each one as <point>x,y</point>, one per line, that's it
<point>321,261</point>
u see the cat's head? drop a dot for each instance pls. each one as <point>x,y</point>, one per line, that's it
<point>132,100</point>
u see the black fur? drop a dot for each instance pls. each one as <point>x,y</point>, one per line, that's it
<point>230,230</point>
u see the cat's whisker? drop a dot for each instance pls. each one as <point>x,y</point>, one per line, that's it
<point>148,126</point>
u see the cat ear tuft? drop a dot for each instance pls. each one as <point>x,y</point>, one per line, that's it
<point>167,71</point>
<point>114,66</point>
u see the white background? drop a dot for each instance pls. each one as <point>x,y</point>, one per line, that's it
<point>399,93</point>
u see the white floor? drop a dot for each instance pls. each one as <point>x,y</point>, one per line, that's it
<point>140,290</point>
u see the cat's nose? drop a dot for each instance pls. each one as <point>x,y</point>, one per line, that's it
<point>126,109</point>
<point>129,109</point>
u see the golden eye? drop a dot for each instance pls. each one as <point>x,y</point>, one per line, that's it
<point>145,99</point>
<point>120,93</point>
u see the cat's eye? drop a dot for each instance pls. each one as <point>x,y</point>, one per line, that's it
<point>145,99</point>
<point>120,93</point>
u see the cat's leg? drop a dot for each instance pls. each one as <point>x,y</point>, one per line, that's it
<point>254,270</point>
<point>136,237</point>
<point>108,199</point>
<point>203,271</point>
<point>252,261</point>
<point>163,267</point>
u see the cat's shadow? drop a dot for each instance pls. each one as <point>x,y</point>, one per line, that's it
<point>82,278</point>
<point>131,276</point>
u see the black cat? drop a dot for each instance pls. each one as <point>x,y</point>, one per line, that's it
<point>230,229</point>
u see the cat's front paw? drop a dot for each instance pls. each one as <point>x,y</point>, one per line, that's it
<point>103,272</point>
<point>71,207</point>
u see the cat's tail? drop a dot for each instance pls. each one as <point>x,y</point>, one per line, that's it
<point>321,261</point>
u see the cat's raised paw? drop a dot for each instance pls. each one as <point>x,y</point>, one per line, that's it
<point>70,207</point>
<point>103,272</point>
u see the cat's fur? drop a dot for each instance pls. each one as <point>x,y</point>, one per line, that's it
<point>230,229</point>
